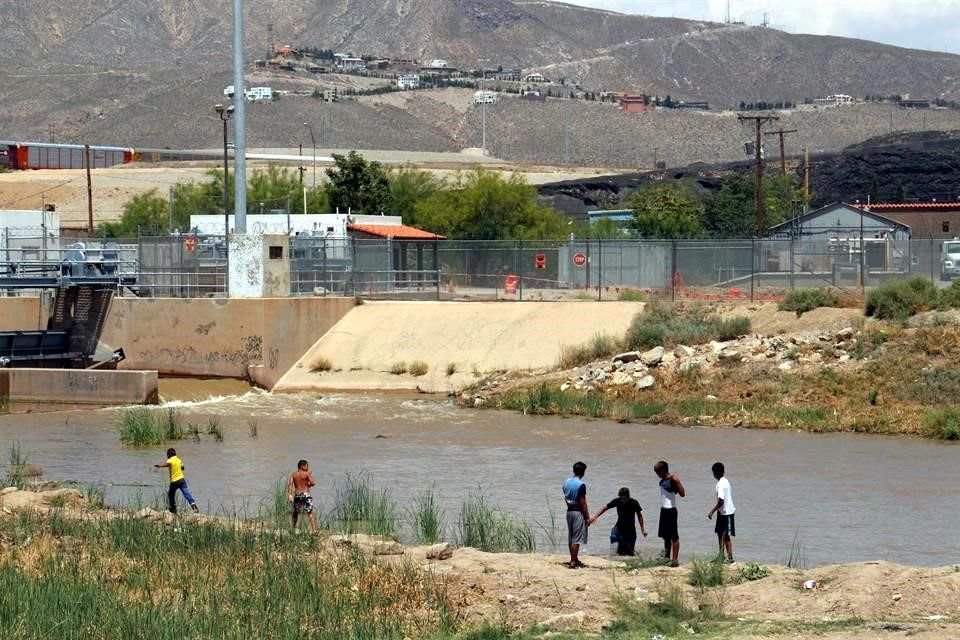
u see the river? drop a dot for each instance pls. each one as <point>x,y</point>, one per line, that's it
<point>845,497</point>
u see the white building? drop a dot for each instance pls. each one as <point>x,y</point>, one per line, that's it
<point>411,81</point>
<point>351,64</point>
<point>260,94</point>
<point>836,100</point>
<point>330,225</point>
<point>439,64</point>
<point>534,77</point>
<point>484,97</point>
<point>29,235</point>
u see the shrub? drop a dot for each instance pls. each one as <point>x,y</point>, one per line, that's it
<point>752,571</point>
<point>142,427</point>
<point>451,368</point>
<point>213,428</point>
<point>361,508</point>
<point>419,368</point>
<point>934,386</point>
<point>17,469</point>
<point>398,368</point>
<point>706,573</point>
<point>631,295</point>
<point>803,300</point>
<point>942,423</point>
<point>600,346</point>
<point>321,365</point>
<point>427,517</point>
<point>949,298</point>
<point>900,299</point>
<point>668,325</point>
<point>937,340</point>
<point>487,529</point>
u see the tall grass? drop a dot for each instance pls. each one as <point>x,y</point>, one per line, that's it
<point>213,428</point>
<point>802,300</point>
<point>483,527</point>
<point>706,573</point>
<point>428,518</point>
<point>942,423</point>
<point>125,577</point>
<point>600,346</point>
<point>671,616</point>
<point>662,324</point>
<point>544,399</point>
<point>796,555</point>
<point>360,508</point>
<point>17,467</point>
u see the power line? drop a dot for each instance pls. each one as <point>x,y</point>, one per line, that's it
<point>783,158</point>
<point>760,217</point>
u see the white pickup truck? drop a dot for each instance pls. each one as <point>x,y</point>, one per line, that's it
<point>950,259</point>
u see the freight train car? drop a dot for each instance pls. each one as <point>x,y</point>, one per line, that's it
<point>49,155</point>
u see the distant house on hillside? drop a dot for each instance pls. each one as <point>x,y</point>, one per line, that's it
<point>439,64</point>
<point>411,81</point>
<point>351,64</point>
<point>536,76</point>
<point>634,104</point>
<point>913,104</point>
<point>836,100</point>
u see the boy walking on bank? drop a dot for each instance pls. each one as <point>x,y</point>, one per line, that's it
<point>725,528</point>
<point>578,516</point>
<point>670,489</point>
<point>298,493</point>
<point>177,481</point>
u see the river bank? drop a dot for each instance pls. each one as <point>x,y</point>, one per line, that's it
<point>207,576</point>
<point>828,371</point>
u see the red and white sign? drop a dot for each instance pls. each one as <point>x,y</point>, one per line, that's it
<point>190,243</point>
<point>580,259</point>
<point>540,261</point>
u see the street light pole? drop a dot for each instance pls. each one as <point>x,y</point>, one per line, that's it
<point>225,115</point>
<point>314,141</point>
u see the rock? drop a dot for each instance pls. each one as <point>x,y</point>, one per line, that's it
<point>390,548</point>
<point>786,365</point>
<point>478,402</point>
<point>717,347</point>
<point>712,398</point>
<point>565,621</point>
<point>8,490</point>
<point>621,378</point>
<point>897,597</point>
<point>645,382</point>
<point>148,514</point>
<point>440,551</point>
<point>629,356</point>
<point>690,365</point>
<point>564,386</point>
<point>845,334</point>
<point>319,291</point>
<point>168,518</point>
<point>730,354</point>
<point>683,351</point>
<point>844,357</point>
<point>653,357</point>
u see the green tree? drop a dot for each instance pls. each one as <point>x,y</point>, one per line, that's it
<point>602,229</point>
<point>358,185</point>
<point>730,212</point>
<point>408,186</point>
<point>482,205</point>
<point>666,210</point>
<point>143,214</point>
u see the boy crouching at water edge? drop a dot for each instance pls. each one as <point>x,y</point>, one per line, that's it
<point>670,489</point>
<point>578,516</point>
<point>725,529</point>
<point>178,481</point>
<point>298,494</point>
<point>625,529</point>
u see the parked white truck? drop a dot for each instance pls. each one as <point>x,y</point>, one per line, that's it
<point>950,259</point>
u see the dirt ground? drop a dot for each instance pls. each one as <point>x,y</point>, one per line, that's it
<point>847,602</point>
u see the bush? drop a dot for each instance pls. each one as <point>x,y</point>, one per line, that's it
<point>803,300</point>
<point>942,423</point>
<point>669,325</point>
<point>419,368</point>
<point>707,573</point>
<point>934,386</point>
<point>362,509</point>
<point>601,346</point>
<point>949,298</point>
<point>752,571</point>
<point>631,295</point>
<point>451,368</point>
<point>487,529</point>
<point>398,368</point>
<point>900,299</point>
<point>321,365</point>
<point>143,427</point>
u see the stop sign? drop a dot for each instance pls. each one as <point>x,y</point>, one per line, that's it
<point>580,259</point>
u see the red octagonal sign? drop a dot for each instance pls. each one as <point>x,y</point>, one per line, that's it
<point>579,259</point>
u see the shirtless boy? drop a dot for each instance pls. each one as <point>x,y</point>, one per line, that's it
<point>298,493</point>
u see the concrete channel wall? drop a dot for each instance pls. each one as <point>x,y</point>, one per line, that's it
<point>458,341</point>
<point>237,338</point>
<point>21,314</point>
<point>79,386</point>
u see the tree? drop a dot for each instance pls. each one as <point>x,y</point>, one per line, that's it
<point>666,210</point>
<point>408,186</point>
<point>358,185</point>
<point>143,214</point>
<point>602,229</point>
<point>276,187</point>
<point>730,212</point>
<point>482,205</point>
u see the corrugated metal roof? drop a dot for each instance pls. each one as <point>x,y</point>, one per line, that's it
<point>912,206</point>
<point>398,231</point>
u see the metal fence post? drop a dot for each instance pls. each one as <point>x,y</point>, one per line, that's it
<point>674,270</point>
<point>931,257</point>
<point>518,264</point>
<point>599,269</point>
<point>587,283</point>
<point>792,259</point>
<point>753,265</point>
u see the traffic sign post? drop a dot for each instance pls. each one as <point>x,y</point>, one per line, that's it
<point>190,243</point>
<point>580,259</point>
<point>540,261</point>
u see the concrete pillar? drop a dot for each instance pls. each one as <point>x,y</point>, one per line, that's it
<point>259,266</point>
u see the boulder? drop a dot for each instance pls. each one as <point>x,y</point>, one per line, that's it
<point>148,514</point>
<point>683,351</point>
<point>8,490</point>
<point>786,365</point>
<point>621,378</point>
<point>653,357</point>
<point>565,621</point>
<point>629,356</point>
<point>564,386</point>
<point>440,551</point>
<point>645,382</point>
<point>730,353</point>
<point>389,548</point>
<point>845,334</point>
<point>668,358</point>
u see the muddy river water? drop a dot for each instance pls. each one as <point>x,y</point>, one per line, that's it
<point>845,497</point>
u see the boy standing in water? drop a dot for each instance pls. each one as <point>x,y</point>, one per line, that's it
<point>298,493</point>
<point>578,516</point>
<point>670,489</point>
<point>627,508</point>
<point>726,529</point>
<point>177,481</point>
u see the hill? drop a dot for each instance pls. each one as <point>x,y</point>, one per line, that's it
<point>147,73</point>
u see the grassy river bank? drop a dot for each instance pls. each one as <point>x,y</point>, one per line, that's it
<point>72,569</point>
<point>693,365</point>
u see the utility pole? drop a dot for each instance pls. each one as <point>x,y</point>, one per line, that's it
<point>86,157</point>
<point>303,189</point>
<point>483,106</point>
<point>239,125</point>
<point>783,158</point>
<point>760,214</point>
<point>806,179</point>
